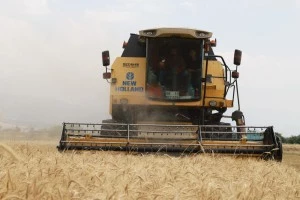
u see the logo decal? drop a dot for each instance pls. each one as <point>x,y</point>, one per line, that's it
<point>130,76</point>
<point>131,65</point>
<point>129,85</point>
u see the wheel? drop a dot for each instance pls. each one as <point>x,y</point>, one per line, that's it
<point>278,154</point>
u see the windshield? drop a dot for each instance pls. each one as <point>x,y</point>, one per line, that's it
<point>174,68</point>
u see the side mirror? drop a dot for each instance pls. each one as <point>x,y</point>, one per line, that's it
<point>213,43</point>
<point>237,57</point>
<point>105,58</point>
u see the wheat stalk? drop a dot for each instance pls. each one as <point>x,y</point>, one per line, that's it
<point>9,151</point>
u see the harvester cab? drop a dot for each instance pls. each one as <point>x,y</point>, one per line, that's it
<point>170,92</point>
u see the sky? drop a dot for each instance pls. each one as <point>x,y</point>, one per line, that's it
<point>50,54</point>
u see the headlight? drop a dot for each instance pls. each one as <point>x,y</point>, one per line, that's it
<point>150,32</point>
<point>213,103</point>
<point>124,101</point>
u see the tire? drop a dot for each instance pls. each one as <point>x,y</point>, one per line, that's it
<point>279,153</point>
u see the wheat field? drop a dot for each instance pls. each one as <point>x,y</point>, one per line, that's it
<point>35,170</point>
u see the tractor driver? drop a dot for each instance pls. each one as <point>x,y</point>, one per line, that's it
<point>173,74</point>
<point>193,66</point>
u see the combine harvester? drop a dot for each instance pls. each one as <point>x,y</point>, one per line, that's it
<point>169,92</point>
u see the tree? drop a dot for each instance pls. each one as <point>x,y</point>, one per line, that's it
<point>289,140</point>
<point>294,140</point>
<point>283,139</point>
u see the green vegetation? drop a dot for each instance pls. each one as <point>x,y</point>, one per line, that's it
<point>290,140</point>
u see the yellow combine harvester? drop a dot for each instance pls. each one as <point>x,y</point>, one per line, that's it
<point>169,92</point>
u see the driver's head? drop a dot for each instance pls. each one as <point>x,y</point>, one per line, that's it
<point>192,53</point>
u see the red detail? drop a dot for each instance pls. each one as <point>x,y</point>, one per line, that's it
<point>235,74</point>
<point>154,91</point>
<point>106,75</point>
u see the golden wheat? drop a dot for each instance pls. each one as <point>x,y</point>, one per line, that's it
<point>43,173</point>
<point>7,149</point>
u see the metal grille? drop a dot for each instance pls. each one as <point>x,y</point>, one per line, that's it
<point>183,138</point>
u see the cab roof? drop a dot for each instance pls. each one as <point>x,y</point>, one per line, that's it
<point>179,32</point>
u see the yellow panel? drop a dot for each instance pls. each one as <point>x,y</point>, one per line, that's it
<point>215,69</point>
<point>216,87</point>
<point>130,76</point>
